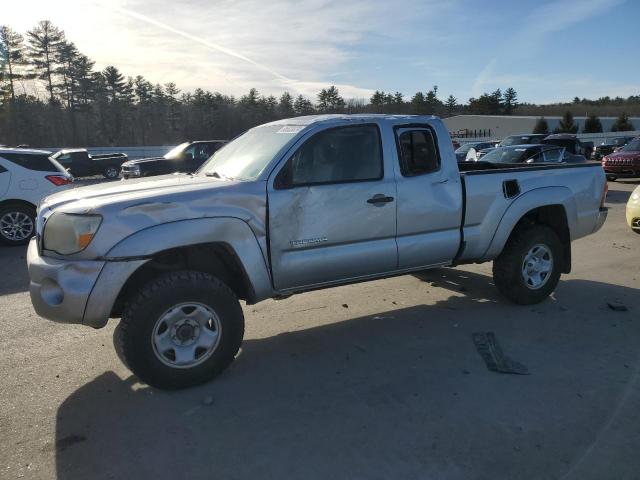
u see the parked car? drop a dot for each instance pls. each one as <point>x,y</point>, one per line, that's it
<point>633,210</point>
<point>610,145</point>
<point>623,163</point>
<point>26,176</point>
<point>82,164</point>
<point>532,154</point>
<point>571,142</point>
<point>465,151</point>
<point>511,140</point>
<point>186,157</point>
<point>292,206</point>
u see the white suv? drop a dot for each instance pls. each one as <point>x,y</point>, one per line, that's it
<point>26,177</point>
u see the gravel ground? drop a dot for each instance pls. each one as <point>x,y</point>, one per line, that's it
<point>375,380</point>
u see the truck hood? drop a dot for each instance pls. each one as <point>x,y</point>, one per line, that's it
<point>129,206</point>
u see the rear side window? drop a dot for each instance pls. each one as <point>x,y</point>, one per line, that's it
<point>337,155</point>
<point>38,162</point>
<point>418,152</point>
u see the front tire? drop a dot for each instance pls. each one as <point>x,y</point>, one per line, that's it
<point>612,178</point>
<point>528,269</point>
<point>183,329</point>
<point>17,224</point>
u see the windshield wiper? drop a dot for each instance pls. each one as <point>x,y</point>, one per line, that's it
<point>213,174</point>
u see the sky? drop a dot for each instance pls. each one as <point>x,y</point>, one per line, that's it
<point>547,50</point>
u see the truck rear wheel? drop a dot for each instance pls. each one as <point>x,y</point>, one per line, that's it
<point>528,269</point>
<point>111,173</point>
<point>183,329</point>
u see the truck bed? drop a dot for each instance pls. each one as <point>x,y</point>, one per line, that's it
<point>493,192</point>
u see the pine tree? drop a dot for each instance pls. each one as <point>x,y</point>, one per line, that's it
<point>451,104</point>
<point>285,105</point>
<point>622,124</point>
<point>592,125</point>
<point>566,125</point>
<point>509,101</point>
<point>541,126</point>
<point>418,104</point>
<point>45,41</point>
<point>330,101</point>
<point>12,50</point>
<point>303,106</point>
<point>114,82</point>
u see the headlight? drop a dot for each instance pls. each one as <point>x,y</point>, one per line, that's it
<point>67,233</point>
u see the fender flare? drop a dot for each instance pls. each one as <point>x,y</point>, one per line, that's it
<point>532,200</point>
<point>231,231</point>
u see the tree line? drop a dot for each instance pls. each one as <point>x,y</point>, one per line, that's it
<point>592,124</point>
<point>52,95</point>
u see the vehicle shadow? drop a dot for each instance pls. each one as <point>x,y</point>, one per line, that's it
<point>399,394</point>
<point>617,196</point>
<point>15,277</point>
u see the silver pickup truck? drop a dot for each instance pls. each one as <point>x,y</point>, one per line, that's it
<point>292,206</point>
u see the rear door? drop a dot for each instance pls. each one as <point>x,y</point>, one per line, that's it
<point>429,199</point>
<point>332,214</point>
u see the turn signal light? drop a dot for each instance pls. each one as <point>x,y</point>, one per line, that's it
<point>59,180</point>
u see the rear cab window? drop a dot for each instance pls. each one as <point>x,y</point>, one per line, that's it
<point>417,151</point>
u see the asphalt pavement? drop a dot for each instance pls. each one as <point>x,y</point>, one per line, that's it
<point>376,380</point>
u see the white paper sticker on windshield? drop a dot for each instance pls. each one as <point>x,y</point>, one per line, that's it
<point>291,129</point>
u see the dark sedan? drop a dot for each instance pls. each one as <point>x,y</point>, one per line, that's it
<point>532,154</point>
<point>186,157</point>
<point>461,153</point>
<point>610,145</point>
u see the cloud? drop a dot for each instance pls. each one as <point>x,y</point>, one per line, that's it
<point>541,23</point>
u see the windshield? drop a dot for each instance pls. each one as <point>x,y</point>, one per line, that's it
<point>633,146</point>
<point>464,148</point>
<point>245,157</point>
<point>175,152</point>
<point>515,140</point>
<point>508,155</point>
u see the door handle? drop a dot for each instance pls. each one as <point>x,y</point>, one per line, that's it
<point>441,182</point>
<point>379,199</point>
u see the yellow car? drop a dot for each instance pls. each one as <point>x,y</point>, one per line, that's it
<point>633,210</point>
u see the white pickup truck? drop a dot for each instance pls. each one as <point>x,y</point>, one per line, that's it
<point>292,206</point>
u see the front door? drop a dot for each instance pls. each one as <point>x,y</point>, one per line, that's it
<point>332,211</point>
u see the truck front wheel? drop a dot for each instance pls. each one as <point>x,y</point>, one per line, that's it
<point>181,330</point>
<point>528,269</point>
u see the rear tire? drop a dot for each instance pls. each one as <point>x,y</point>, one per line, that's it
<point>528,269</point>
<point>17,224</point>
<point>111,173</point>
<point>167,354</point>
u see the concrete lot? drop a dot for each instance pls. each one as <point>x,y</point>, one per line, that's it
<point>378,380</point>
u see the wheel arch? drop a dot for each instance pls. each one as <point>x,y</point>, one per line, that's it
<point>551,206</point>
<point>224,247</point>
<point>16,201</point>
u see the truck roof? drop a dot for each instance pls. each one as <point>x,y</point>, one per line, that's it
<point>71,150</point>
<point>328,118</point>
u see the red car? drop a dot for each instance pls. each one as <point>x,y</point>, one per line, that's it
<point>623,163</point>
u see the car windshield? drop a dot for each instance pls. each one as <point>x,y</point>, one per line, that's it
<point>507,155</point>
<point>175,152</point>
<point>245,157</point>
<point>633,146</point>
<point>515,140</point>
<point>464,148</point>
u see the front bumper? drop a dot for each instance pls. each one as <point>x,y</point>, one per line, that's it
<point>75,291</point>
<point>621,171</point>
